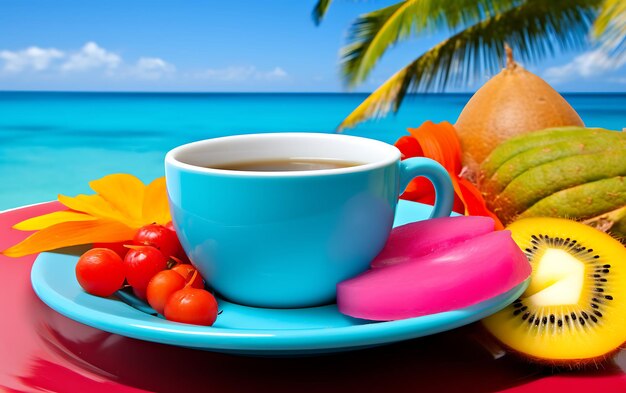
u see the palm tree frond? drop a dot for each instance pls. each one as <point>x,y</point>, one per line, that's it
<point>610,26</point>
<point>380,101</point>
<point>534,30</point>
<point>373,33</point>
<point>320,9</point>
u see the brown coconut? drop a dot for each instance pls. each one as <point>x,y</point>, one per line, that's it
<point>512,103</point>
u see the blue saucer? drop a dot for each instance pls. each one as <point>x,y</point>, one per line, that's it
<point>248,330</point>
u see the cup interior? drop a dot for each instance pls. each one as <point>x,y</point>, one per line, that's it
<point>202,155</point>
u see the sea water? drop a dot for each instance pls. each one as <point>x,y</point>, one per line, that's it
<point>53,143</point>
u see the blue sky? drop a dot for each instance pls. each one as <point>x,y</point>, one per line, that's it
<point>232,45</point>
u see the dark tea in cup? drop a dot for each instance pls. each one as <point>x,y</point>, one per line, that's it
<point>287,165</point>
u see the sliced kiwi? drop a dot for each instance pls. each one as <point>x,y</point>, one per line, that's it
<point>574,310</point>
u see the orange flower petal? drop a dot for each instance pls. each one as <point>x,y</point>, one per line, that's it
<point>94,205</point>
<point>47,220</point>
<point>409,147</point>
<point>420,190</point>
<point>68,234</point>
<point>156,207</point>
<point>122,204</point>
<point>458,205</point>
<point>458,196</point>
<point>474,202</point>
<point>124,193</point>
<point>440,143</point>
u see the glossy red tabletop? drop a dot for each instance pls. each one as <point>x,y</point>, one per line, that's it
<point>40,350</point>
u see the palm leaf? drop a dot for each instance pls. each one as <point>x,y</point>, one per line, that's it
<point>611,25</point>
<point>320,10</point>
<point>373,33</point>
<point>535,29</point>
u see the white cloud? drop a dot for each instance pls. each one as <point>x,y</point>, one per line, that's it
<point>152,68</point>
<point>590,63</point>
<point>91,56</point>
<point>91,61</point>
<point>97,62</point>
<point>276,73</point>
<point>33,58</point>
<point>228,74</point>
<point>242,73</point>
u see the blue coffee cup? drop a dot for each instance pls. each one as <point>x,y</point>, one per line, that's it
<point>285,239</point>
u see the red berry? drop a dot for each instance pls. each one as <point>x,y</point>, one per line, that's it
<point>140,293</point>
<point>162,286</point>
<point>187,271</point>
<point>179,261</point>
<point>100,272</point>
<point>191,305</point>
<point>181,257</point>
<point>181,252</point>
<point>160,237</point>
<point>119,247</point>
<point>141,264</point>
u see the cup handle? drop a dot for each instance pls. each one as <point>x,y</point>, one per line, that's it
<point>433,171</point>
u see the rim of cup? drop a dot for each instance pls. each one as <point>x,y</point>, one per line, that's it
<point>373,153</point>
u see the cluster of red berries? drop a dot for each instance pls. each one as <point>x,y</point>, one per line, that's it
<point>156,267</point>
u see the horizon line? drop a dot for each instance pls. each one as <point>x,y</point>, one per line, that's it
<point>268,92</point>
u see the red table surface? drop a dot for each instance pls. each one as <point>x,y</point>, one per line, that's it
<point>41,350</point>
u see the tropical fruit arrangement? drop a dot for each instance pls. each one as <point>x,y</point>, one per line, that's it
<point>542,200</point>
<point>560,189</point>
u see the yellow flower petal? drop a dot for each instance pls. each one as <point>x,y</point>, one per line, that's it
<point>156,207</point>
<point>94,205</point>
<point>70,234</point>
<point>47,220</point>
<point>123,192</point>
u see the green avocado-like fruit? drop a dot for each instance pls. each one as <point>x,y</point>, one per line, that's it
<point>537,139</point>
<point>540,155</point>
<point>563,172</point>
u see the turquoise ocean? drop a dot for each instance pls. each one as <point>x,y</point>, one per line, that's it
<point>52,142</point>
